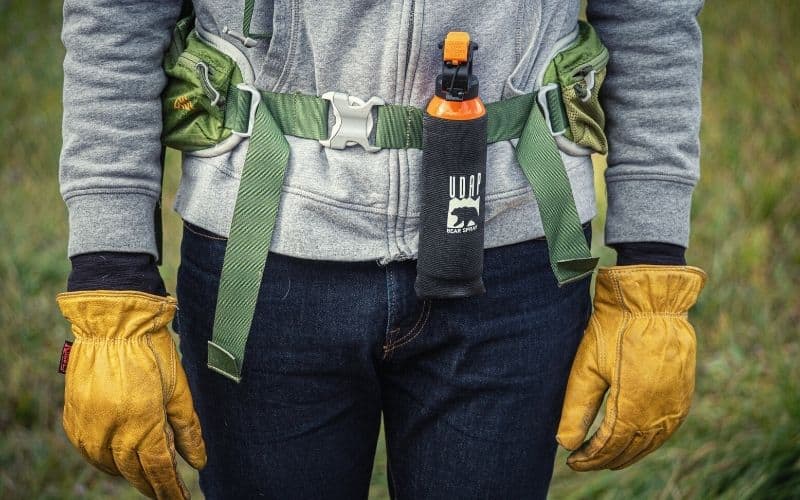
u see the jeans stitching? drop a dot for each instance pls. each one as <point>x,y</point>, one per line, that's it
<point>422,321</point>
<point>390,338</point>
<point>408,337</point>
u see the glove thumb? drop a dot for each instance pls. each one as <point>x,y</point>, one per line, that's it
<point>585,390</point>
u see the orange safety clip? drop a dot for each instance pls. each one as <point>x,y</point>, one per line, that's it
<point>456,48</point>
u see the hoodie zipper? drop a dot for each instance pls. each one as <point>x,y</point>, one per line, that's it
<point>410,39</point>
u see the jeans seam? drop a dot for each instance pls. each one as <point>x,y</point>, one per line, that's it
<point>207,235</point>
<point>390,337</point>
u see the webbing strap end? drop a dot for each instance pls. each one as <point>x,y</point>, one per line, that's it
<point>570,256</point>
<point>223,362</point>
<point>571,270</point>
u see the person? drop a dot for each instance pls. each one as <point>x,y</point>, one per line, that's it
<point>470,390</point>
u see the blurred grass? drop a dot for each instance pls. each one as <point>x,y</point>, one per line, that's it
<point>742,439</point>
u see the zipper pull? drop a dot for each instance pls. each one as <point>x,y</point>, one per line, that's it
<point>589,79</point>
<point>205,82</point>
<point>246,40</point>
<point>587,73</point>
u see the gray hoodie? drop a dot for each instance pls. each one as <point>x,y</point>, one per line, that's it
<point>353,205</point>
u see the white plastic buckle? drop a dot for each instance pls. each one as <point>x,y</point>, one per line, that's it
<point>541,96</point>
<point>255,100</point>
<point>353,121</point>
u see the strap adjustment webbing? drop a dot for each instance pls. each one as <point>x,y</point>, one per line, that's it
<point>254,217</point>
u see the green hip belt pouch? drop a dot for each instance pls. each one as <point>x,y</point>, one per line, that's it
<point>571,87</point>
<point>193,102</point>
<point>207,102</point>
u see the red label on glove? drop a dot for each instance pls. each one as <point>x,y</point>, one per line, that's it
<point>62,366</point>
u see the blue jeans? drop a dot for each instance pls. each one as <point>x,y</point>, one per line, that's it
<point>470,389</point>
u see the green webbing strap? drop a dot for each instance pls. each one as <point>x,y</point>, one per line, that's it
<point>247,16</point>
<point>507,118</point>
<point>237,109</point>
<point>299,115</point>
<point>537,153</point>
<point>247,19</point>
<point>399,127</point>
<point>248,244</point>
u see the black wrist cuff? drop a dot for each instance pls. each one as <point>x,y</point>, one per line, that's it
<point>629,254</point>
<point>115,271</point>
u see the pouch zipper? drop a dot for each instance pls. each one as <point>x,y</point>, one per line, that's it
<point>597,63</point>
<point>190,58</point>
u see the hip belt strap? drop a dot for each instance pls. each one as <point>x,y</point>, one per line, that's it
<point>306,116</point>
<point>397,127</point>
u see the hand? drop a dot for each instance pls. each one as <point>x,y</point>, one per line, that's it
<point>127,404</point>
<point>640,347</point>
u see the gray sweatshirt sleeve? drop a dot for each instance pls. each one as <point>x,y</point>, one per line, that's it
<point>110,166</point>
<point>652,102</point>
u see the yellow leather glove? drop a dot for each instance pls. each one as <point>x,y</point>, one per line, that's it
<point>640,347</point>
<point>127,404</point>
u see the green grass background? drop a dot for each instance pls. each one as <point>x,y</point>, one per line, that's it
<point>742,439</point>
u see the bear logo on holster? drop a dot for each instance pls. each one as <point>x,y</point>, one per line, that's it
<point>467,216</point>
<point>464,209</point>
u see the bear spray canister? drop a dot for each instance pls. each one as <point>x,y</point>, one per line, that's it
<point>453,179</point>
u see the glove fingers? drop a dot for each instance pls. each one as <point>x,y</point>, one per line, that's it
<point>99,456</point>
<point>604,447</point>
<point>185,424</point>
<point>634,454</point>
<point>131,468</point>
<point>585,390</point>
<point>161,471</point>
